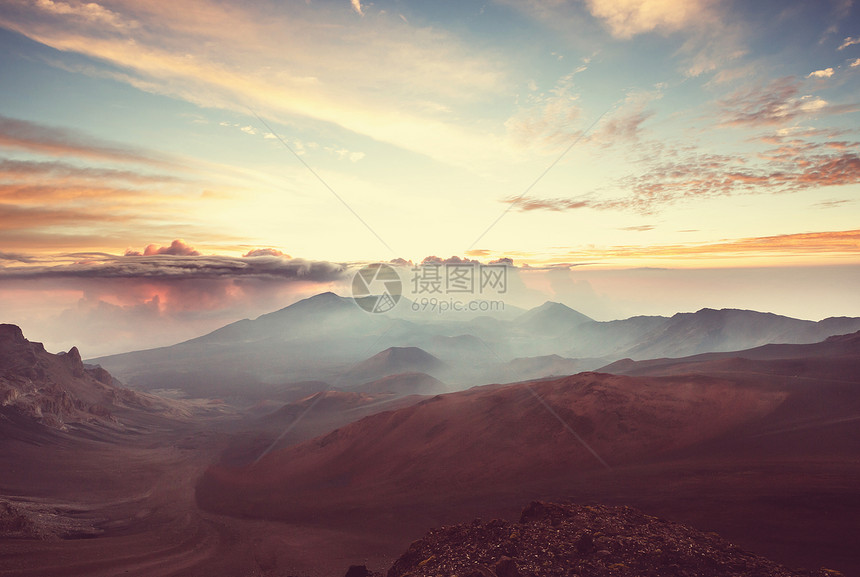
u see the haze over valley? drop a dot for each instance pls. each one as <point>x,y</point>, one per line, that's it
<point>497,288</point>
<point>282,446</point>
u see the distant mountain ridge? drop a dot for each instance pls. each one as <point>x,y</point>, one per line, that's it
<point>325,337</point>
<point>840,353</point>
<point>720,330</point>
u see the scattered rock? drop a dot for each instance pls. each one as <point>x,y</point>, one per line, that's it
<point>506,567</point>
<point>587,541</point>
<point>361,571</point>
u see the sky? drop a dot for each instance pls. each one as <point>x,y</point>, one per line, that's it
<point>167,167</point>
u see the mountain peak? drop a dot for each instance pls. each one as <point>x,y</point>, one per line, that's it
<point>318,302</point>
<point>55,389</point>
<point>327,298</point>
<point>405,355</point>
<point>74,355</point>
<point>552,318</point>
<point>328,295</point>
<point>395,360</point>
<point>73,361</point>
<point>11,334</point>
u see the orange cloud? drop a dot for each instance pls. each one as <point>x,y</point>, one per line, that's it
<point>816,243</point>
<point>17,218</point>
<point>776,103</point>
<point>794,165</point>
<point>265,252</point>
<point>125,300</point>
<point>65,173</point>
<point>54,198</point>
<point>177,248</point>
<point>33,137</point>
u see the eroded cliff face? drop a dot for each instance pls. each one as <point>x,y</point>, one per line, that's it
<point>56,389</point>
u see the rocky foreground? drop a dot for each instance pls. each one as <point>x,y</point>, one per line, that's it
<point>584,541</point>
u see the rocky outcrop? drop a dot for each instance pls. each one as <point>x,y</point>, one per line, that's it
<point>587,541</point>
<point>56,390</point>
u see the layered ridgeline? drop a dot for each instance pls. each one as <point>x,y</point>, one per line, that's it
<point>328,338</point>
<point>754,444</point>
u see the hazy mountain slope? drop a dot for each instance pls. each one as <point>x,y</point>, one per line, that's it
<point>317,338</point>
<point>609,338</point>
<point>527,368</point>
<point>745,450</point>
<point>837,355</point>
<point>551,318</point>
<point>513,442</point>
<point>402,384</point>
<point>325,336</point>
<point>711,330</point>
<point>395,360</point>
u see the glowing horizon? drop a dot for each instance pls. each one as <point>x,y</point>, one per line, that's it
<point>608,135</point>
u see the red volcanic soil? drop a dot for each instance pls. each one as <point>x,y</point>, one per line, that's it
<point>403,384</point>
<point>769,462</point>
<point>123,503</point>
<point>310,417</point>
<point>485,441</point>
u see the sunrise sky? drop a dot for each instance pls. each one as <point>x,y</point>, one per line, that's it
<point>170,166</point>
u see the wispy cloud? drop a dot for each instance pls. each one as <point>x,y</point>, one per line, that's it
<point>39,138</point>
<point>795,164</point>
<point>624,123</point>
<point>59,185</point>
<point>548,119</point>
<point>833,203</point>
<point>849,41</point>
<point>13,217</point>
<point>39,170</point>
<point>710,41</point>
<point>631,17</point>
<point>836,242</point>
<point>824,73</point>
<point>526,203</point>
<point>89,12</point>
<point>776,103</point>
<point>222,55</point>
